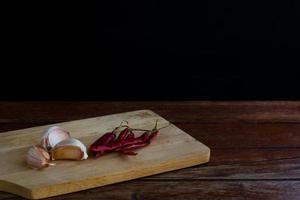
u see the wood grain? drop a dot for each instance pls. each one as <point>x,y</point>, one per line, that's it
<point>255,147</point>
<point>186,112</point>
<point>239,135</point>
<point>191,190</point>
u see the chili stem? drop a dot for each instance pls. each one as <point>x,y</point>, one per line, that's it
<point>140,129</point>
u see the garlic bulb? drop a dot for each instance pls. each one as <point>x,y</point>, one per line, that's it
<point>37,158</point>
<point>71,149</point>
<point>53,136</point>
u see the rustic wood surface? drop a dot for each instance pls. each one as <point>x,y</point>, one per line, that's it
<point>255,147</point>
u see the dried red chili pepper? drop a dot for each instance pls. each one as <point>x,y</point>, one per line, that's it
<point>125,142</point>
<point>106,138</point>
<point>146,137</point>
<point>134,146</point>
<point>117,144</point>
<point>130,135</point>
<point>123,134</point>
<point>139,142</point>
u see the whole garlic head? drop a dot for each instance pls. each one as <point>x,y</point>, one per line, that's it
<point>53,136</point>
<point>71,149</point>
<point>37,157</point>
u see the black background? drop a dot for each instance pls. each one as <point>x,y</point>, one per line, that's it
<point>151,50</point>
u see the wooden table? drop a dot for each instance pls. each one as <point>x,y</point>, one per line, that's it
<point>255,147</point>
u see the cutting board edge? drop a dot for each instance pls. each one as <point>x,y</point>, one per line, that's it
<point>51,191</point>
<point>13,188</point>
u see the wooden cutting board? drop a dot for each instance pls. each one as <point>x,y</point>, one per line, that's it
<point>172,149</point>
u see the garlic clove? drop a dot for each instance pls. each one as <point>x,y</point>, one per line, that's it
<point>53,136</point>
<point>71,149</point>
<point>37,157</point>
<point>67,153</point>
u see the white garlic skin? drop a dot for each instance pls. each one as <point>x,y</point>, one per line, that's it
<point>53,136</point>
<point>37,157</point>
<point>73,142</point>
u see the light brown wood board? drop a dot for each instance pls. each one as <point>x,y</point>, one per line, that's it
<point>172,149</point>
